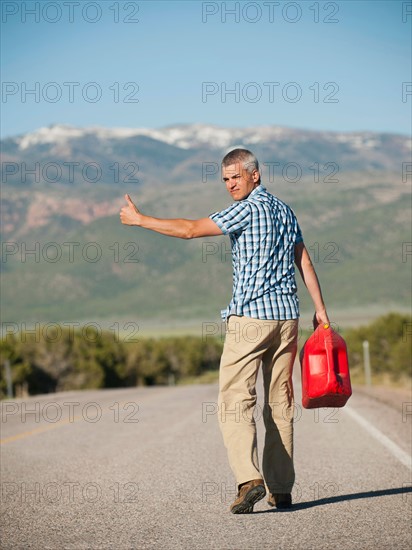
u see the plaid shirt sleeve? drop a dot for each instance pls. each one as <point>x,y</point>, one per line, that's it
<point>299,236</point>
<point>233,219</point>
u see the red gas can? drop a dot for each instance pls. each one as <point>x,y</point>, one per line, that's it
<point>325,370</point>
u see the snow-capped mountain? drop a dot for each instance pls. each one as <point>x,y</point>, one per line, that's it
<point>178,151</point>
<point>64,185</point>
<point>197,135</point>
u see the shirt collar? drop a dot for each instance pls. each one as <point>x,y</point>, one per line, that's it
<point>256,190</point>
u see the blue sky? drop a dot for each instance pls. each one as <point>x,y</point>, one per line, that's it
<point>176,62</point>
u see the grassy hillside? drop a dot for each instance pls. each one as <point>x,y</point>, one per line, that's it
<point>353,229</point>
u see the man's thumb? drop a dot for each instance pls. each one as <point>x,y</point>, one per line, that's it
<point>129,200</point>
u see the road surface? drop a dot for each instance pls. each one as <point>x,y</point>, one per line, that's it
<point>145,468</point>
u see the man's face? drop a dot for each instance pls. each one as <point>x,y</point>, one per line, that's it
<point>239,182</point>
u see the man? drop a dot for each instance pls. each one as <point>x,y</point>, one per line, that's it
<point>261,324</point>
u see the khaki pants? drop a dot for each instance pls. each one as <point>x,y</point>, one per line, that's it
<point>249,343</point>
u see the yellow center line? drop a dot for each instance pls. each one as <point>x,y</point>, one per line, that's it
<point>42,429</point>
<point>39,430</point>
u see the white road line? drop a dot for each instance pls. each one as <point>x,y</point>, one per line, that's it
<point>397,452</point>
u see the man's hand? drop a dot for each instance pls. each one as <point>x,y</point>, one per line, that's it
<point>129,215</point>
<point>320,318</point>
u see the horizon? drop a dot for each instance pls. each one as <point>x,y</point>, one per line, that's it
<point>189,124</point>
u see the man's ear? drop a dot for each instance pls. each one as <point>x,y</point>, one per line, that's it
<point>256,176</point>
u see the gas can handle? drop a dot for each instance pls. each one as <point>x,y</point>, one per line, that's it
<point>328,342</point>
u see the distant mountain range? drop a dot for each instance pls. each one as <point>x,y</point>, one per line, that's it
<point>352,151</point>
<point>64,184</point>
<point>190,136</point>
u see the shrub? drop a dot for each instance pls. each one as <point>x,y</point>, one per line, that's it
<point>389,340</point>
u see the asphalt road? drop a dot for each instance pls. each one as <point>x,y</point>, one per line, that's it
<point>145,468</point>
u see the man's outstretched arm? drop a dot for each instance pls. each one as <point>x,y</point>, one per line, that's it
<point>181,228</point>
<point>309,277</point>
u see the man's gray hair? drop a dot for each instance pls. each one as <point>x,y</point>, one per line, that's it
<point>242,156</point>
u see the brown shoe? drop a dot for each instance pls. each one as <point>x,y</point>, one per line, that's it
<point>280,500</point>
<point>249,493</point>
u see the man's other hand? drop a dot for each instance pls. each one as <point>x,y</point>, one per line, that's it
<point>320,318</point>
<point>129,215</point>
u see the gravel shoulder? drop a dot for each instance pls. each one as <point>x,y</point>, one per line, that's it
<point>394,397</point>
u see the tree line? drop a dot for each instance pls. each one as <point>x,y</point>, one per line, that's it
<point>41,364</point>
<point>390,339</point>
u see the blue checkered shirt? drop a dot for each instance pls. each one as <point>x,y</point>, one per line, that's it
<point>263,232</point>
